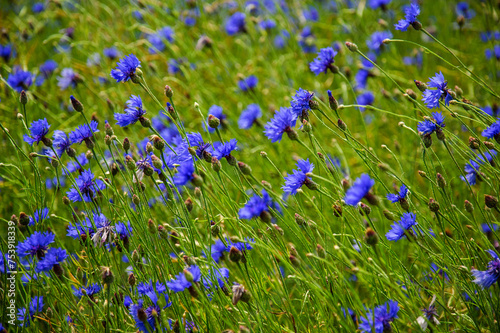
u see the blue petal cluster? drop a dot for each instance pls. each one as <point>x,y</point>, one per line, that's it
<point>133,112</point>
<point>249,116</point>
<point>487,278</point>
<point>38,130</point>
<point>298,177</point>
<point>407,221</point>
<point>403,191</point>
<point>126,68</point>
<point>359,190</point>
<point>411,13</point>
<point>432,97</point>
<point>324,61</point>
<point>282,122</point>
<point>379,320</point>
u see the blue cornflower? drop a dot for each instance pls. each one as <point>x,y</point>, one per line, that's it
<point>411,13</point>
<point>124,231</point>
<point>68,78</point>
<point>20,80</point>
<point>486,278</point>
<point>379,319</point>
<point>217,112</point>
<point>48,68</point>
<point>185,173</point>
<point>493,130</point>
<point>281,39</point>
<point>89,290</point>
<point>365,98</point>
<point>486,228</point>
<point>431,97</point>
<point>417,59</point>
<point>493,53</point>
<point>217,249</point>
<point>111,52</point>
<point>399,228</point>
<point>403,191</point>
<point>38,7</point>
<point>282,122</point>
<point>39,216</point>
<point>181,283</point>
<point>428,127</point>
<point>84,132</point>
<point>94,60</point>
<point>36,244</point>
<point>86,226</point>
<point>361,78</point>
<point>133,113</point>
<point>235,24</point>
<point>462,9</point>
<point>257,205</point>
<point>156,39</point>
<point>311,14</point>
<point>25,316</point>
<point>267,24</point>
<point>126,68</point>
<point>359,190</point>
<point>248,83</point>
<point>53,257</point>
<point>472,168</point>
<point>299,177</point>
<point>61,142</point>
<point>7,51</point>
<point>218,275</point>
<point>376,40</point>
<point>73,166</point>
<point>152,290</point>
<point>249,116</point>
<point>306,40</point>
<point>374,4</point>
<point>7,264</point>
<point>87,186</point>
<point>301,103</point>
<point>324,61</point>
<point>222,150</point>
<point>38,130</point>
<point>204,149</point>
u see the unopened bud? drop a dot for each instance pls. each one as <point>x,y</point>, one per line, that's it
<point>371,237</point>
<point>213,121</point>
<point>490,201</point>
<point>169,92</point>
<point>351,46</point>
<point>469,208</point>
<point>245,168</point>
<point>23,98</point>
<point>77,105</point>
<point>433,205</point>
<point>126,144</point>
<point>441,181</point>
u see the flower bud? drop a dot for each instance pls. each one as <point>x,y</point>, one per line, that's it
<point>364,209</point>
<point>158,143</point>
<point>168,91</point>
<point>337,210</point>
<point>389,215</point>
<point>245,168</point>
<point>411,94</point>
<point>66,201</point>
<point>421,85</point>
<point>441,181</point>
<point>152,228</point>
<point>131,279</point>
<point>77,105</point>
<point>427,139</point>
<point>145,122</point>
<point>489,145</point>
<point>341,124</point>
<point>490,201</point>
<point>23,98</point>
<point>265,216</point>
<point>197,180</point>
<point>474,143</point>
<point>469,208</point>
<point>157,163</point>
<point>320,250</point>
<point>107,276</point>
<point>216,165</point>
<point>334,105</point>
<point>299,219</point>
<point>189,204</point>
<point>129,161</point>
<point>306,126</point>
<point>433,205</point>
<point>213,121</point>
<point>294,260</point>
<point>24,219</point>
<point>371,237</point>
<point>235,254</point>
<point>351,46</point>
<point>126,144</point>
<point>108,129</point>
<point>107,140</point>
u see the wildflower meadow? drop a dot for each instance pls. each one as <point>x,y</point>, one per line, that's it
<point>249,166</point>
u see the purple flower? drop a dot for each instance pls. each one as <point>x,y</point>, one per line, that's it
<point>181,283</point>
<point>472,168</point>
<point>89,290</point>
<point>298,177</point>
<point>54,256</point>
<point>267,24</point>
<point>411,13</point>
<point>218,275</point>
<point>257,205</point>
<point>84,132</point>
<point>399,228</point>
<point>365,98</point>
<point>26,316</point>
<point>431,97</point>
<point>87,226</point>
<point>487,278</point>
<point>493,130</point>
<point>156,39</point>
<point>493,53</point>
<point>35,245</point>
<point>379,320</point>
<point>463,9</point>
<point>235,24</point>
<point>324,61</point>
<point>133,112</point>
<point>282,122</point>
<point>20,80</point>
<point>38,7</point>
<point>39,216</point>
<point>374,4</point>
<point>112,53</point>
<point>61,142</point>
<point>306,40</point>
<point>47,68</point>
<point>87,186</point>
<point>126,68</point>
<point>359,190</point>
<point>73,166</point>
<point>301,103</point>
<point>249,116</point>
<point>376,40</point>
<point>428,127</point>
<point>248,83</point>
<point>38,130</point>
<point>68,78</point>
<point>403,191</point>
<point>224,149</point>
<point>184,173</point>
<point>6,52</point>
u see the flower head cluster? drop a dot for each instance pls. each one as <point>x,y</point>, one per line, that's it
<point>38,131</point>
<point>374,4</point>
<point>403,191</point>
<point>39,216</point>
<point>431,98</point>
<point>324,61</point>
<point>35,245</point>
<point>492,131</point>
<point>462,9</point>
<point>380,319</point>
<point>376,41</point>
<point>86,188</point>
<point>156,39</point>
<point>249,116</point>
<point>181,283</point>
<point>257,205</point>
<point>218,249</point>
<point>68,79</point>
<point>145,316</point>
<point>487,278</point>
<point>427,127</point>
<point>222,150</point>
<point>407,222</point>
<point>248,83</point>
<point>84,133</point>
<point>472,168</point>
<point>133,113</point>
<point>88,290</point>
<point>111,52</point>
<point>301,103</point>
<point>61,142</point>
<point>298,177</point>
<point>235,24</point>
<point>411,13</point>
<point>282,122</point>
<point>53,257</point>
<point>185,173</point>
<point>20,80</point>
<point>126,68</point>
<point>359,190</point>
<point>25,316</point>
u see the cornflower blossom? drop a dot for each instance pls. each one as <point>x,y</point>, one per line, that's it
<point>299,177</point>
<point>359,190</point>
<point>488,277</point>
